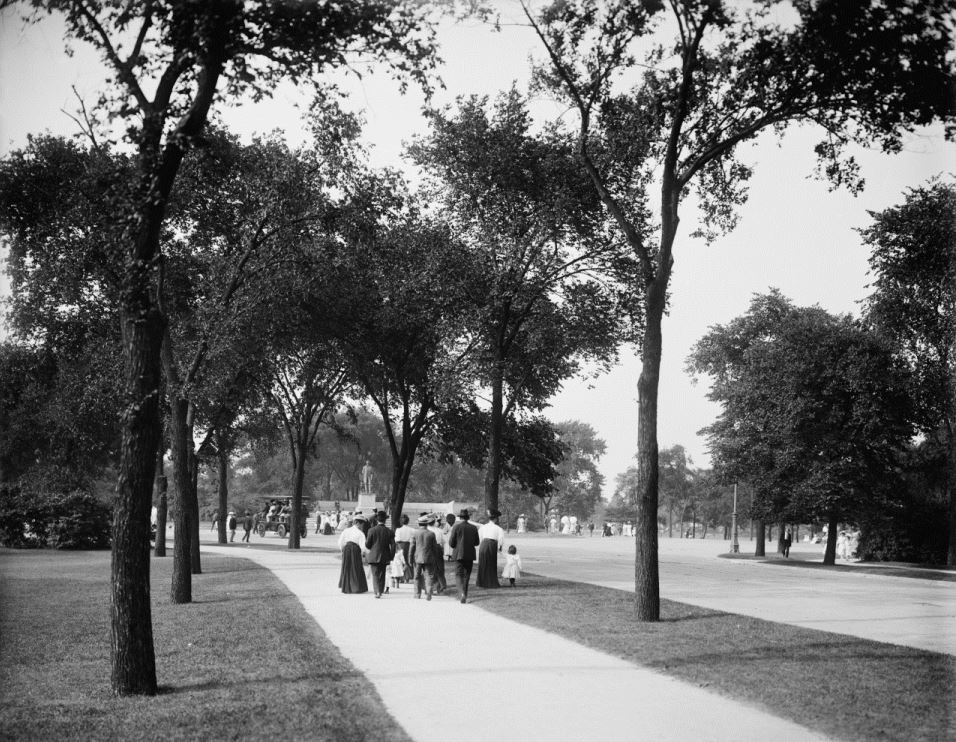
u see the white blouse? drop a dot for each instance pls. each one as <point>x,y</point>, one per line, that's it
<point>492,530</point>
<point>353,534</point>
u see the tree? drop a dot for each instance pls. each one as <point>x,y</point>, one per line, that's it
<point>191,53</point>
<point>579,482</point>
<point>531,221</point>
<point>676,484</point>
<point>815,412</point>
<point>913,303</point>
<point>864,72</point>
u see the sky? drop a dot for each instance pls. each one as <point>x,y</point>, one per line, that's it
<point>793,233</point>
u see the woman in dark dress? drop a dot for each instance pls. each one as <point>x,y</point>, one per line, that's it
<point>491,539</point>
<point>351,542</point>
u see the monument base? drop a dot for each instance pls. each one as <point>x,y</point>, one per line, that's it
<point>366,503</point>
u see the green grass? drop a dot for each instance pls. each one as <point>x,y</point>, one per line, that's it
<point>840,685</point>
<point>243,661</point>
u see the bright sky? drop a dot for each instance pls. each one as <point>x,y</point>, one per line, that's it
<point>793,233</point>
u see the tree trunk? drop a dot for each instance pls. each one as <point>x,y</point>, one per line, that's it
<point>829,554</point>
<point>951,486</point>
<point>132,655</point>
<point>647,601</point>
<point>298,479</point>
<point>495,434</point>
<point>761,548</point>
<point>162,507</point>
<point>182,516</point>
<point>222,459</point>
<point>781,531</point>
<point>195,564</point>
<point>670,520</point>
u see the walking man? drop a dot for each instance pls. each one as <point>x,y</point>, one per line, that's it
<point>422,554</point>
<point>381,550</point>
<point>463,541</point>
<point>246,526</point>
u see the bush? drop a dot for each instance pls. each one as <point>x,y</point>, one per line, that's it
<point>76,520</point>
<point>915,532</point>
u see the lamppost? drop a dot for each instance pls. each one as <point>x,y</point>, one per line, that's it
<point>734,545</point>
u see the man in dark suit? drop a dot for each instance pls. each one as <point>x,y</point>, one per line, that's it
<point>380,543</point>
<point>421,553</point>
<point>463,541</point>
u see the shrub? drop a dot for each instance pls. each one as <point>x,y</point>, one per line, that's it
<point>76,520</point>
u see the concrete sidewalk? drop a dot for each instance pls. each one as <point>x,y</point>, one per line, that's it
<point>535,685</point>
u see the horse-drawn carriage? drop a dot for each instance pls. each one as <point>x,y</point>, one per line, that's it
<point>276,516</point>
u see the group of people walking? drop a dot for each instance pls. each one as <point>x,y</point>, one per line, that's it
<point>418,555</point>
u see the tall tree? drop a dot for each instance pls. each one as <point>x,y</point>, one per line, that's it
<point>169,60</point>
<point>863,72</point>
<point>913,259</point>
<point>531,220</point>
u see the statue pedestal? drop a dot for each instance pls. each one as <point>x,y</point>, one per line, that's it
<point>365,502</point>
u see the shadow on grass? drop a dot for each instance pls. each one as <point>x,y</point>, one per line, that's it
<point>842,686</point>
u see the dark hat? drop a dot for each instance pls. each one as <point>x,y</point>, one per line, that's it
<point>423,520</point>
<point>494,513</point>
<point>463,513</point>
<point>380,516</point>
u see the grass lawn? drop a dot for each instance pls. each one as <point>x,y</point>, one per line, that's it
<point>840,685</point>
<point>243,661</point>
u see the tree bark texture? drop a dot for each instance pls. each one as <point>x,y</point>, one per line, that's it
<point>131,627</point>
<point>222,460</point>
<point>162,507</point>
<point>761,546</point>
<point>298,481</point>
<point>829,554</point>
<point>495,434</point>
<point>181,591</point>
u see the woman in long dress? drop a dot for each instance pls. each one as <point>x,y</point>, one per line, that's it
<point>491,539</point>
<point>352,543</point>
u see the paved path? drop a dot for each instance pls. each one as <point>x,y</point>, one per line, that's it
<point>537,685</point>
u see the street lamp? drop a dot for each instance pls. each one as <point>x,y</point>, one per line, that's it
<point>734,545</point>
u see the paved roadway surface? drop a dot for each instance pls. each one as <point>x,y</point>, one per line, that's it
<point>884,607</point>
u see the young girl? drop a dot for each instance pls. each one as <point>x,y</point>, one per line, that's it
<point>512,565</point>
<point>396,569</point>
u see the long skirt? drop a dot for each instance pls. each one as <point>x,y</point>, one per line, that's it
<point>352,578</point>
<point>409,574</point>
<point>488,563</point>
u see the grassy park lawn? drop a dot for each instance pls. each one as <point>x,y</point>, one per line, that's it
<point>243,661</point>
<point>840,685</point>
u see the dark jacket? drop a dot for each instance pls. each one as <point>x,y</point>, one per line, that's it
<point>380,543</point>
<point>424,547</point>
<point>463,541</point>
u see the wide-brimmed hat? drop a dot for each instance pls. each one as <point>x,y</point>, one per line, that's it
<point>359,516</point>
<point>424,520</point>
<point>463,513</point>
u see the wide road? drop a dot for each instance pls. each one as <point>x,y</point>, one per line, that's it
<point>900,610</point>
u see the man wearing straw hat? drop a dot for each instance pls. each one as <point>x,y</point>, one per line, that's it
<point>422,554</point>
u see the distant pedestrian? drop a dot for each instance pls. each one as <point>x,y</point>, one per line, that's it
<point>352,544</point>
<point>843,545</point>
<point>464,542</point>
<point>381,550</point>
<point>215,520</point>
<point>422,554</point>
<point>231,525</point>
<point>512,568</point>
<point>787,541</point>
<point>590,528</point>
<point>246,526</point>
<point>440,582</point>
<point>403,541</point>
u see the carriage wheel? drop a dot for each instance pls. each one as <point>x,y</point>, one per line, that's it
<point>280,530</point>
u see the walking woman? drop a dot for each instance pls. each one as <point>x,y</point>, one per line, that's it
<point>352,543</point>
<point>491,539</point>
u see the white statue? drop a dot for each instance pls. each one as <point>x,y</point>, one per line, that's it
<point>367,477</point>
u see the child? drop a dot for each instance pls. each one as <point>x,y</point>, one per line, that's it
<point>396,568</point>
<point>512,565</point>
